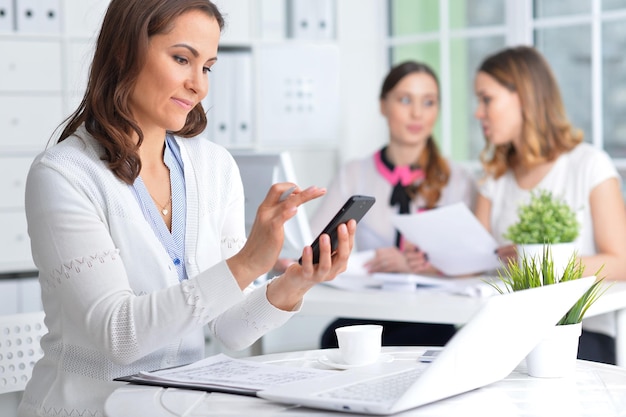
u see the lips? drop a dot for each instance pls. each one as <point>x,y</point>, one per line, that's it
<point>414,128</point>
<point>185,104</point>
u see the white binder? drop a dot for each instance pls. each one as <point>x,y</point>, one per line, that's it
<point>207,106</point>
<point>325,14</point>
<point>38,16</point>
<point>273,20</point>
<point>84,17</point>
<point>301,17</point>
<point>6,16</point>
<point>242,89</point>
<point>312,19</point>
<point>229,103</point>
<point>237,20</point>
<point>221,111</point>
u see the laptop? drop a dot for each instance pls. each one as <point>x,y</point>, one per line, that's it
<point>485,350</point>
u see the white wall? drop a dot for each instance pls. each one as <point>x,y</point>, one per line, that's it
<point>361,38</point>
<point>362,41</point>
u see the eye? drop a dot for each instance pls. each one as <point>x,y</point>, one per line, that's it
<point>486,100</point>
<point>206,70</point>
<point>181,60</point>
<point>405,100</point>
<point>430,102</point>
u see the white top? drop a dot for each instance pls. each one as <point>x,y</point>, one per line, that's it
<point>573,176</point>
<point>375,230</point>
<point>111,294</point>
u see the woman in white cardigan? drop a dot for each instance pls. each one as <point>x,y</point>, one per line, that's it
<point>137,225</point>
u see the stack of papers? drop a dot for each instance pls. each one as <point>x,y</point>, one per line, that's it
<point>221,373</point>
<point>453,238</point>
<point>472,287</point>
<point>356,278</point>
<point>477,286</point>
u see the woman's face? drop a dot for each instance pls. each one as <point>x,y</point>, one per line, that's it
<point>411,109</point>
<point>175,75</point>
<point>499,110</point>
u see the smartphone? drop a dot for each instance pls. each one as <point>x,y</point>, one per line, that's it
<point>355,208</point>
<point>429,355</point>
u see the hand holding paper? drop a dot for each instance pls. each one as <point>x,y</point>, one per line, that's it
<point>455,241</point>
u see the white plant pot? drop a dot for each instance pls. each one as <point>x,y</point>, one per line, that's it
<point>555,355</point>
<point>560,252</point>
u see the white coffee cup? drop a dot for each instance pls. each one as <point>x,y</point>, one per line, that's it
<point>359,344</point>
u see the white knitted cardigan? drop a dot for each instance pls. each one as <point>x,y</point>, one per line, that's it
<point>113,302</point>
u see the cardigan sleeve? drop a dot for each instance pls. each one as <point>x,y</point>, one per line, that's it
<point>250,319</point>
<point>253,314</point>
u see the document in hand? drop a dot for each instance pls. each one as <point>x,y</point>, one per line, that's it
<point>453,238</point>
<point>221,373</point>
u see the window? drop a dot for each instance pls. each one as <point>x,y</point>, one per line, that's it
<point>451,36</point>
<point>583,40</point>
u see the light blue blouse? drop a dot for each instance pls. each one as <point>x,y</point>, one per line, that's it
<point>174,241</point>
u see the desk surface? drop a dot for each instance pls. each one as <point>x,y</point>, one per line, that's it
<point>423,306</point>
<point>594,390</point>
<point>427,306</point>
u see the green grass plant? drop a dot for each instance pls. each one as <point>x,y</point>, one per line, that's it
<point>531,272</point>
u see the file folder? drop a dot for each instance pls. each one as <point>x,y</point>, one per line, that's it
<point>273,21</point>
<point>38,16</point>
<point>237,20</point>
<point>242,89</point>
<point>222,110</point>
<point>311,19</point>
<point>6,16</point>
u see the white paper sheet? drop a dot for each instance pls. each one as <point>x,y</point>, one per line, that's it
<point>356,278</point>
<point>224,372</point>
<point>357,261</point>
<point>453,238</point>
<point>476,286</point>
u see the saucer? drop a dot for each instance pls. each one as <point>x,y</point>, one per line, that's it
<point>334,361</point>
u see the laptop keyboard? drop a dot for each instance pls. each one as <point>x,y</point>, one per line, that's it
<point>379,390</point>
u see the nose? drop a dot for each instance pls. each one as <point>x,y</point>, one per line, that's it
<point>198,82</point>
<point>480,112</point>
<point>416,110</point>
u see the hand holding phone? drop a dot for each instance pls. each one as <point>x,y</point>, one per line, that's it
<point>355,208</point>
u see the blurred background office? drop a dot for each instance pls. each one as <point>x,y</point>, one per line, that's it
<point>303,76</point>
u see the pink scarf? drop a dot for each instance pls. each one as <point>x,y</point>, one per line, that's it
<point>399,177</point>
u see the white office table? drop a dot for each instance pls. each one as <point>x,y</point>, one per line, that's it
<point>594,390</point>
<point>439,307</point>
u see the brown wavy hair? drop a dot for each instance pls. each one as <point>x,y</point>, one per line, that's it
<point>118,59</point>
<point>546,130</point>
<point>435,166</point>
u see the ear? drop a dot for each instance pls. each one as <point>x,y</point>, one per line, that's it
<point>517,100</point>
<point>383,107</point>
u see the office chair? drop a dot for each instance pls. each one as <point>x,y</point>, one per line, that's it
<point>19,348</point>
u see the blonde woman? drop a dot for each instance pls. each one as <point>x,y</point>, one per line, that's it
<point>530,144</point>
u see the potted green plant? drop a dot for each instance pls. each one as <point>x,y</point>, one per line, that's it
<point>545,220</point>
<point>555,356</point>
